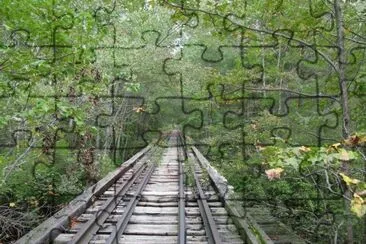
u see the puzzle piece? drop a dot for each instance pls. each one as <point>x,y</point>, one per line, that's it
<point>121,110</point>
<point>239,98</point>
<point>316,121</point>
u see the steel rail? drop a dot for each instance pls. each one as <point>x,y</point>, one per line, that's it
<point>251,232</point>
<point>123,221</point>
<point>48,230</point>
<point>88,229</point>
<point>181,203</point>
<point>206,214</point>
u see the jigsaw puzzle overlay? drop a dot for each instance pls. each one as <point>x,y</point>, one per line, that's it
<point>112,79</point>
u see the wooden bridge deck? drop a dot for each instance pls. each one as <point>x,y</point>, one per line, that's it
<point>178,198</point>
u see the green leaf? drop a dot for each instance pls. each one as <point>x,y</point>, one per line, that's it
<point>293,162</point>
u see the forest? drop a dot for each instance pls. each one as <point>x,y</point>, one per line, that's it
<point>273,92</point>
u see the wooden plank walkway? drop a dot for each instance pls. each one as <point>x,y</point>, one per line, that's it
<point>154,200</point>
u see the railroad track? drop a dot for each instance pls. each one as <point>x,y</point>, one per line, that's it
<point>160,195</point>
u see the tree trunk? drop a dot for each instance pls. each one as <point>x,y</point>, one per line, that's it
<point>264,68</point>
<point>280,94</point>
<point>342,68</point>
<point>344,103</point>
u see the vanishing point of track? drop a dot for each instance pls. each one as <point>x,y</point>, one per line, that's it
<point>161,195</point>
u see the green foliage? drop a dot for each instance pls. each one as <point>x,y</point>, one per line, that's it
<point>279,39</point>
